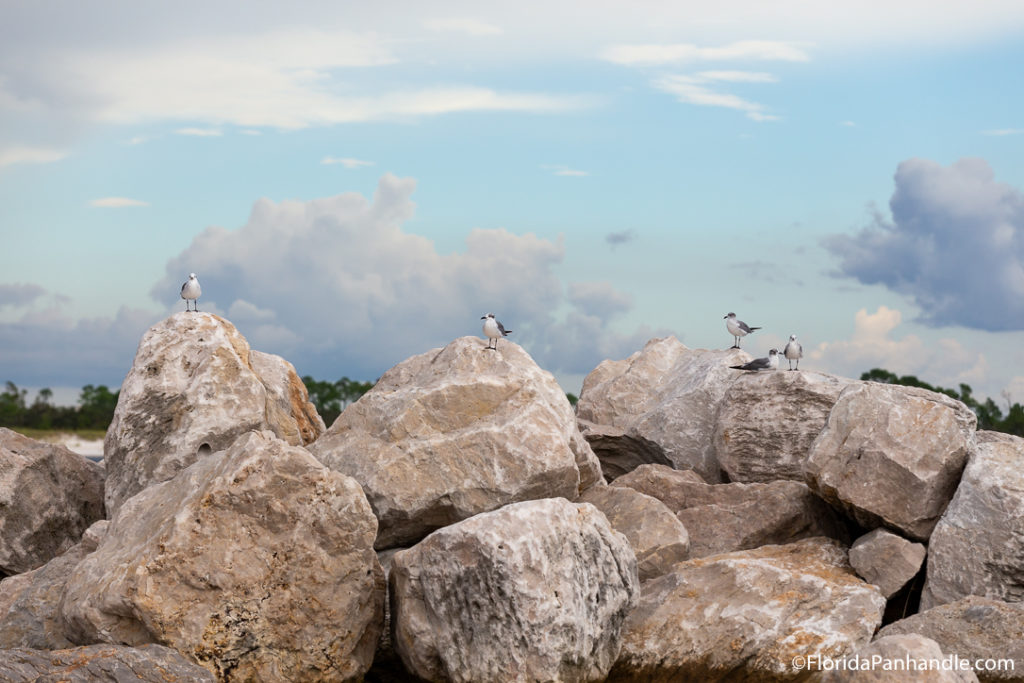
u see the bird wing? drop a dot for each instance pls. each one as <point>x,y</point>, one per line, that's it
<point>744,326</point>
<point>183,288</point>
<point>501,328</point>
<point>757,364</point>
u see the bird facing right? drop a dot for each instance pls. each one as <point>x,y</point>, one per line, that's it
<point>793,352</point>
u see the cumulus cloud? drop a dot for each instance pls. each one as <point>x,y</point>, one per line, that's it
<point>19,294</point>
<point>955,245</point>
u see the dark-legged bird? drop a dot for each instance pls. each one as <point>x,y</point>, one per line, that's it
<point>737,328</point>
<point>494,330</point>
<point>793,352</point>
<point>769,363</point>
<point>190,291</point>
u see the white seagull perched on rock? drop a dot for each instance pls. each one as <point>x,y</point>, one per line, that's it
<point>769,363</point>
<point>793,352</point>
<point>494,330</point>
<point>190,291</point>
<point>737,328</point>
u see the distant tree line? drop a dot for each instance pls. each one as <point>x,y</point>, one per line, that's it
<point>990,416</point>
<point>330,398</point>
<point>95,409</point>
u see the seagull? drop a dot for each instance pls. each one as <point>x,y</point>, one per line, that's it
<point>769,363</point>
<point>737,328</point>
<point>190,291</point>
<point>494,330</point>
<point>793,352</point>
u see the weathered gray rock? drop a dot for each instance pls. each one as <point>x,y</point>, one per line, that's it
<point>892,455</point>
<point>101,664</point>
<point>662,400</point>
<point>726,517</point>
<point>886,560</point>
<point>48,497</point>
<point>257,562</point>
<point>767,422</point>
<point>974,628</point>
<point>746,615</point>
<point>977,547</point>
<point>659,540</point>
<point>30,614</point>
<point>194,387</point>
<point>533,591</point>
<point>457,431</point>
<point>893,659</point>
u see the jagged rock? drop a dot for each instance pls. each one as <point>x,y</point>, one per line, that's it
<point>30,603</point>
<point>194,387</point>
<point>767,422</point>
<point>48,497</point>
<point>661,400</point>
<point>726,517</point>
<point>973,628</point>
<point>746,615</point>
<point>457,431</point>
<point>533,591</point>
<point>977,547</point>
<point>257,562</point>
<point>886,560</point>
<point>896,659</point>
<point>659,540</point>
<point>100,664</point>
<point>892,455</point>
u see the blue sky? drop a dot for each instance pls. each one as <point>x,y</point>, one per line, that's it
<point>355,183</point>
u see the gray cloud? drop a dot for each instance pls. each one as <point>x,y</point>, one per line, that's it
<point>955,245</point>
<point>19,294</point>
<point>621,237</point>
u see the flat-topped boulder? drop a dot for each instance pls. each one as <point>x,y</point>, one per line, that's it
<point>194,387</point>
<point>457,431</point>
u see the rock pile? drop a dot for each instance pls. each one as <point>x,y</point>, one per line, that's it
<point>753,522</point>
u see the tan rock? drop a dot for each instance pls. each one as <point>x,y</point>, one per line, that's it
<point>886,560</point>
<point>194,387</point>
<point>257,562</point>
<point>535,591</point>
<point>457,431</point>
<point>100,663</point>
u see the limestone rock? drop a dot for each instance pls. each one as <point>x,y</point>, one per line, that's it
<point>659,540</point>
<point>663,400</point>
<point>194,387</point>
<point>886,560</point>
<point>973,628</point>
<point>892,455</point>
<point>767,422</point>
<point>100,664</point>
<point>534,591</point>
<point>746,615</point>
<point>726,517</point>
<point>457,431</point>
<point>257,562</point>
<point>977,547</point>
<point>30,603</point>
<point>48,497</point>
<point>887,662</point>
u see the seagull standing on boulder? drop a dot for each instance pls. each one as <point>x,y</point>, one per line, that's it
<point>758,364</point>
<point>793,352</point>
<point>494,330</point>
<point>190,291</point>
<point>737,328</point>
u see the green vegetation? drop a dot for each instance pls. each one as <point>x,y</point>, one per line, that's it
<point>94,411</point>
<point>330,398</point>
<point>989,414</point>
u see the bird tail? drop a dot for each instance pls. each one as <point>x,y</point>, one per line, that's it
<point>754,328</point>
<point>736,367</point>
<point>508,331</point>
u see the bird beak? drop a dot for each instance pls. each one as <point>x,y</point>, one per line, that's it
<point>483,317</point>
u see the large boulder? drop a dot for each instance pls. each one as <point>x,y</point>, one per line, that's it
<point>892,455</point>
<point>747,615</point>
<point>977,547</point>
<point>457,431</point>
<point>982,631</point>
<point>48,497</point>
<point>726,517</point>
<point>886,560</point>
<point>895,659</point>
<point>257,562</point>
<point>100,664</point>
<point>195,387</point>
<point>536,591</point>
<point>767,422</point>
<point>659,405</point>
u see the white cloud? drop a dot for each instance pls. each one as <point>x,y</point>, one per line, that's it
<point>1002,132</point>
<point>117,202</point>
<point>347,162</point>
<point>200,132</point>
<point>687,53</point>
<point>738,76</point>
<point>561,170</point>
<point>695,90</point>
<point>472,27</point>
<point>30,155</point>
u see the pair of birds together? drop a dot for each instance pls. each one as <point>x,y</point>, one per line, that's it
<point>739,329</point>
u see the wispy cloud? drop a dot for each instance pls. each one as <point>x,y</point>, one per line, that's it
<point>687,53</point>
<point>200,132</point>
<point>472,27</point>
<point>1000,132</point>
<point>698,90</point>
<point>737,76</point>
<point>30,155</point>
<point>559,169</point>
<point>117,203</point>
<point>347,162</point>
<point>620,237</point>
<point>848,124</point>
